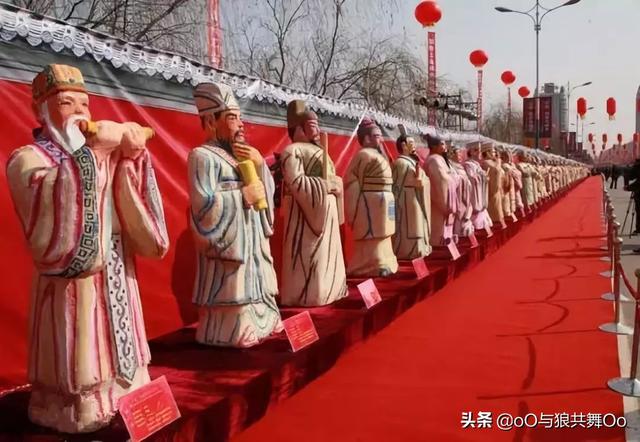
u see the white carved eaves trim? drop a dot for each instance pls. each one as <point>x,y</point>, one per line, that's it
<point>60,36</point>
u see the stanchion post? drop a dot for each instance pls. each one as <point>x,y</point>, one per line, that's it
<point>630,386</point>
<point>616,327</point>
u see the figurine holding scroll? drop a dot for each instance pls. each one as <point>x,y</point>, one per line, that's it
<point>231,195</point>
<point>412,193</point>
<point>88,206</point>
<point>313,265</point>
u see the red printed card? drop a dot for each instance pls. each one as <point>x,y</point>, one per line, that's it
<point>369,293</point>
<point>420,267</point>
<point>473,240</point>
<point>453,249</point>
<point>300,330</point>
<point>148,409</point>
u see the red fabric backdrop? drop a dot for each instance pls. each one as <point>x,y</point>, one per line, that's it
<point>165,285</point>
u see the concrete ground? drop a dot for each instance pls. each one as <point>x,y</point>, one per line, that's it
<point>630,262</point>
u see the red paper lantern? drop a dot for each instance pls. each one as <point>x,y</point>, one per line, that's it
<point>590,138</point>
<point>428,13</point>
<point>582,107</point>
<point>524,92</point>
<point>619,138</point>
<point>508,77</point>
<point>611,107</point>
<point>478,58</point>
<point>604,138</point>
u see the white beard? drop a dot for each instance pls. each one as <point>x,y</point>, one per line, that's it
<point>69,137</point>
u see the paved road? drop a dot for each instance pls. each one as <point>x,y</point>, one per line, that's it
<point>630,262</point>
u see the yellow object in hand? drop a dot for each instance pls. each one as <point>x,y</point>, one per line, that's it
<point>90,128</point>
<point>249,176</point>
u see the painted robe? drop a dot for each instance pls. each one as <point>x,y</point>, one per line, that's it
<point>235,283</point>
<point>370,211</point>
<point>527,184</point>
<point>444,199</point>
<point>413,209</point>
<point>313,265</point>
<point>463,226</point>
<point>496,190</point>
<point>509,195</point>
<point>516,174</point>
<point>84,220</point>
<point>479,194</point>
<point>541,187</point>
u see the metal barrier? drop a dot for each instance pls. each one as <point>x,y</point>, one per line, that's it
<point>630,386</point>
<point>617,326</point>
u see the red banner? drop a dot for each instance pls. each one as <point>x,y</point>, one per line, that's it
<point>529,117</point>
<point>431,82</point>
<point>214,34</point>
<point>479,100</point>
<point>572,142</point>
<point>546,116</point>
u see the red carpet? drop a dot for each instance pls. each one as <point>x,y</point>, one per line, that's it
<point>516,334</point>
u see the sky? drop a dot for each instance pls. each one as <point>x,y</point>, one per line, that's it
<point>594,40</point>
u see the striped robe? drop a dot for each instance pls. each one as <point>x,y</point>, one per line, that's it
<point>235,283</point>
<point>370,211</point>
<point>84,222</point>
<point>444,199</point>
<point>413,209</point>
<point>313,264</point>
<point>479,194</point>
<point>463,226</point>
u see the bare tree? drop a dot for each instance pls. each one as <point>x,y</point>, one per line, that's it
<point>165,24</point>
<point>499,126</point>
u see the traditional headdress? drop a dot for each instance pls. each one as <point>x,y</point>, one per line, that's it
<point>486,147</point>
<point>433,141</point>
<point>212,98</point>
<point>298,113</point>
<point>367,125</point>
<point>56,78</point>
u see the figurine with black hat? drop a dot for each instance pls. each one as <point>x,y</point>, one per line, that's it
<point>312,264</point>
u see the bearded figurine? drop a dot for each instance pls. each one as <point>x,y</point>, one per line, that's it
<point>412,193</point>
<point>479,187</point>
<point>491,165</point>
<point>525,169</point>
<point>511,200</point>
<point>88,206</point>
<point>462,226</point>
<point>507,187</point>
<point>370,206</point>
<point>313,263</point>
<point>231,215</point>
<point>541,179</point>
<point>535,175</point>
<point>548,178</point>
<point>444,198</point>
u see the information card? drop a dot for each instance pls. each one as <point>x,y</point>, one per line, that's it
<point>148,409</point>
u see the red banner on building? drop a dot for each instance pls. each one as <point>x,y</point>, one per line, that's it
<point>479,100</point>
<point>529,117</point>
<point>546,117</point>
<point>572,142</point>
<point>214,34</point>
<point>431,82</point>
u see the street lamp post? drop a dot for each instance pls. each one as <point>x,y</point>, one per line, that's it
<point>569,91</point>
<point>537,21</point>
<point>582,130</point>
